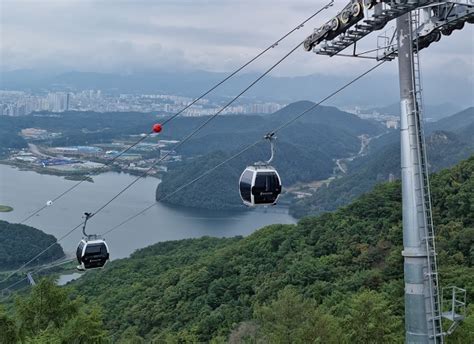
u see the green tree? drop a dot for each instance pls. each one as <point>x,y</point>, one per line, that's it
<point>8,329</point>
<point>370,320</point>
<point>46,305</point>
<point>293,319</point>
<point>49,315</point>
<point>130,336</point>
<point>464,334</point>
<point>85,327</point>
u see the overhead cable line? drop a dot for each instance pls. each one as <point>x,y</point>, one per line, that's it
<point>284,125</point>
<point>145,173</point>
<point>256,57</point>
<point>250,61</point>
<point>183,186</point>
<point>98,170</point>
<point>195,131</point>
<point>14,284</point>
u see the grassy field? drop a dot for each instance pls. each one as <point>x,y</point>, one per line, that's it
<point>5,208</point>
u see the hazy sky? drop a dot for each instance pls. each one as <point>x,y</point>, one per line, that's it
<point>216,35</point>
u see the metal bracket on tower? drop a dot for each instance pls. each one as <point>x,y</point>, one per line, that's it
<point>454,302</point>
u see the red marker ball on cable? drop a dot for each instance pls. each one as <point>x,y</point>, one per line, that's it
<point>157,128</point>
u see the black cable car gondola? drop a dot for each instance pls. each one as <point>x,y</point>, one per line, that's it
<point>92,252</point>
<point>260,184</point>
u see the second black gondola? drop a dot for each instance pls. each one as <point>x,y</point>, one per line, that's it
<point>260,184</point>
<point>92,252</point>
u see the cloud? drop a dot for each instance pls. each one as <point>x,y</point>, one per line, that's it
<point>215,35</point>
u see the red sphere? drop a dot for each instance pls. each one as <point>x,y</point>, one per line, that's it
<point>157,128</point>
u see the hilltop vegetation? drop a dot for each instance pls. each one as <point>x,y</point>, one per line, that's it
<point>18,243</point>
<point>335,278</point>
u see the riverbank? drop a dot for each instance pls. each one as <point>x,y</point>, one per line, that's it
<point>70,175</point>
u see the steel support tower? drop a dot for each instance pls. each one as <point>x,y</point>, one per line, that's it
<point>422,305</point>
<point>419,24</point>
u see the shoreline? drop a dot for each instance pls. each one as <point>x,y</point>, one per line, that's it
<point>71,175</point>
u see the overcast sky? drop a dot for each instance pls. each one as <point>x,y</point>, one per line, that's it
<point>214,35</point>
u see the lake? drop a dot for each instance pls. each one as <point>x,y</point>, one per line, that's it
<point>27,191</point>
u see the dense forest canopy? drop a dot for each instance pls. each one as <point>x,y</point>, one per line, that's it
<point>344,269</point>
<point>18,243</point>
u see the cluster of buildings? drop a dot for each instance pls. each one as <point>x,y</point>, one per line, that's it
<point>16,103</point>
<point>390,121</point>
<point>142,157</point>
<point>38,134</point>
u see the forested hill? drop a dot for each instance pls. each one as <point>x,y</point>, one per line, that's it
<point>456,122</point>
<point>219,189</point>
<point>18,243</point>
<point>305,151</point>
<point>332,279</point>
<point>326,115</point>
<point>449,141</point>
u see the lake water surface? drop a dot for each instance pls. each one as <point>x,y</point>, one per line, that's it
<point>27,191</point>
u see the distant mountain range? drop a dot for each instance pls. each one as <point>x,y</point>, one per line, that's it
<point>373,91</point>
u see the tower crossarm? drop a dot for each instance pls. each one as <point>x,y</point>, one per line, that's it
<point>361,17</point>
<point>436,21</point>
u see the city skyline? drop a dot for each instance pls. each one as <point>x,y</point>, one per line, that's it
<point>20,103</point>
